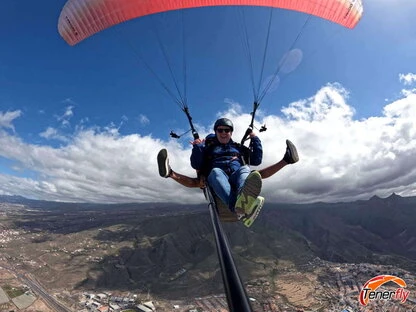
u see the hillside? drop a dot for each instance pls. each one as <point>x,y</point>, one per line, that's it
<point>170,250</point>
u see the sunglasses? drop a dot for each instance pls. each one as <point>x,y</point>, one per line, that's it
<point>220,130</point>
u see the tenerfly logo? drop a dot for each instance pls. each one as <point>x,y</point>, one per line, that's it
<point>370,290</point>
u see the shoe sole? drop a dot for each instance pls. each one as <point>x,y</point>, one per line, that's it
<point>224,212</point>
<point>293,151</point>
<point>248,221</point>
<point>162,157</point>
<point>249,192</point>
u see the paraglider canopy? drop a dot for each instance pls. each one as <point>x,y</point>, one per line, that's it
<point>81,19</point>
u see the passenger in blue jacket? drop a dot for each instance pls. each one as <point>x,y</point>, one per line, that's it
<point>225,163</point>
<point>225,166</point>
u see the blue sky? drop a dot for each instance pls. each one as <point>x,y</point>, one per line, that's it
<point>84,123</point>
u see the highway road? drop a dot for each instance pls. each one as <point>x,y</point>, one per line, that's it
<point>38,289</point>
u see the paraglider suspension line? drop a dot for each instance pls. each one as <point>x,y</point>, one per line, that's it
<point>140,58</point>
<point>168,63</point>
<point>188,115</point>
<point>256,99</point>
<point>279,67</point>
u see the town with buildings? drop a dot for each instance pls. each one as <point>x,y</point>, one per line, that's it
<point>338,291</point>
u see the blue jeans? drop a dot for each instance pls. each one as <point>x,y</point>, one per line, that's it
<point>227,187</point>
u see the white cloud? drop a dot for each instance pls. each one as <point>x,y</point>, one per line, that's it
<point>329,104</point>
<point>407,79</point>
<point>341,158</point>
<point>233,107</point>
<point>7,118</point>
<point>144,121</point>
<point>96,166</point>
<point>407,92</point>
<point>52,133</point>
<point>66,116</point>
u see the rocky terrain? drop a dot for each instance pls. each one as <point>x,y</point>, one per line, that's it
<point>289,256</point>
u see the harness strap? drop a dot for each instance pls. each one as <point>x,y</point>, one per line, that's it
<point>244,157</point>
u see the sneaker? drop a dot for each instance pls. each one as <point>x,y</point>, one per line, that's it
<point>248,219</point>
<point>163,163</point>
<point>249,193</point>
<point>291,155</point>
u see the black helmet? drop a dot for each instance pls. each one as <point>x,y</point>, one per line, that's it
<point>223,122</point>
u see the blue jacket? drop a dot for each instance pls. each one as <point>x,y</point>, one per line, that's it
<point>228,157</point>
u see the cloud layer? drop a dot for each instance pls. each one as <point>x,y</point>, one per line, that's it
<point>6,119</point>
<point>341,158</point>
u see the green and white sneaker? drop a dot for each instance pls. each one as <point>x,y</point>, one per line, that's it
<point>248,219</point>
<point>248,194</point>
